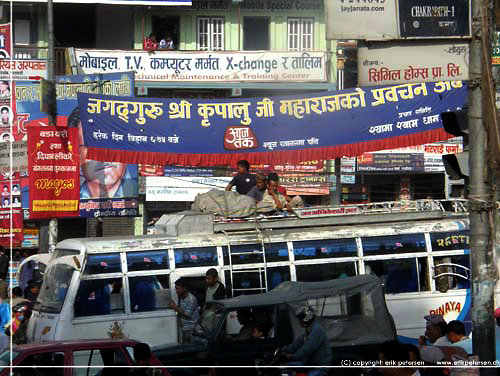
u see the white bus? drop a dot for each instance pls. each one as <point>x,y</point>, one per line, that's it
<point>121,287</point>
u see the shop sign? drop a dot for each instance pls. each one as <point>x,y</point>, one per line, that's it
<point>181,188</point>
<point>23,70</point>
<point>213,66</point>
<point>5,47</point>
<point>391,63</point>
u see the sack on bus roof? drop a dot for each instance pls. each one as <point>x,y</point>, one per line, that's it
<point>224,203</point>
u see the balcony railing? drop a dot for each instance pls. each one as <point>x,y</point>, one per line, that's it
<point>27,52</point>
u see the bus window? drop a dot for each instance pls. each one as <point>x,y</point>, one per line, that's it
<point>315,249</point>
<point>452,272</point>
<point>243,254</point>
<point>276,275</point>
<point>400,275</point>
<point>246,282</point>
<point>149,293</point>
<point>150,260</point>
<point>276,252</point>
<point>450,241</point>
<point>383,245</point>
<point>103,263</point>
<point>189,257</point>
<point>55,286</point>
<point>324,272</point>
<point>99,297</point>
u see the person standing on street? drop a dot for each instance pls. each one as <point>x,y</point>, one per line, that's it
<point>186,308</point>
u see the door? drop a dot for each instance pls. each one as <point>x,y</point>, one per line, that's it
<point>255,33</point>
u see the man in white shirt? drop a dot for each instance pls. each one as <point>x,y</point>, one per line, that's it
<point>435,332</point>
<point>456,335</point>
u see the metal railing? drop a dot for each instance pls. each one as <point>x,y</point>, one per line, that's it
<point>28,52</point>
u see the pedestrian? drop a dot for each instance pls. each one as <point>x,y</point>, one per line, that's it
<point>17,296</point>
<point>243,181</point>
<point>142,358</point>
<point>435,332</point>
<point>32,290</point>
<point>456,335</point>
<point>215,288</point>
<point>257,191</point>
<point>394,351</point>
<point>4,264</point>
<point>186,308</point>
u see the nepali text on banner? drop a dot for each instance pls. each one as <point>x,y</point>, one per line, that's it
<point>54,176</point>
<point>266,130</point>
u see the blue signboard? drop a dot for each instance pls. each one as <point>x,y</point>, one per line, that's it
<point>266,130</point>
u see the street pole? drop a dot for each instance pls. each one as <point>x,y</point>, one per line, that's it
<point>482,275</point>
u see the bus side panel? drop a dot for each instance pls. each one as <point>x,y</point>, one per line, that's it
<point>408,310</point>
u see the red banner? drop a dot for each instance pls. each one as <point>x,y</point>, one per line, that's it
<point>5,47</point>
<point>11,205</point>
<point>54,172</point>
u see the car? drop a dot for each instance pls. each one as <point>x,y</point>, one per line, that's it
<point>90,355</point>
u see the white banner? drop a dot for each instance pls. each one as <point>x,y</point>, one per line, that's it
<point>214,66</point>
<point>369,20</point>
<point>23,70</point>
<point>19,157</point>
<point>390,63</point>
<point>163,188</point>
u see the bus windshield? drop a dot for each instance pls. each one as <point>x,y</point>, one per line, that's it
<point>55,286</point>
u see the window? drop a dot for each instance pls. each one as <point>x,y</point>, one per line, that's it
<point>210,33</point>
<point>400,275</point>
<point>300,34</point>
<point>450,241</point>
<point>324,272</point>
<point>277,275</point>
<point>256,33</point>
<point>147,260</point>
<point>383,245</point>
<point>99,297</point>
<point>325,249</point>
<point>22,32</point>
<point>149,293</point>
<point>54,288</point>
<point>45,359</point>
<point>103,263</point>
<point>189,257</point>
<point>276,252</point>
<point>85,359</point>
<point>452,272</point>
<point>243,254</point>
<point>246,282</point>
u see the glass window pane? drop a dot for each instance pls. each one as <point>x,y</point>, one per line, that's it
<point>276,252</point>
<point>149,260</point>
<point>243,254</point>
<point>452,272</point>
<point>383,245</point>
<point>399,276</point>
<point>84,359</point>
<point>324,272</point>
<point>41,359</point>
<point>149,293</point>
<point>315,249</point>
<point>103,263</point>
<point>247,282</point>
<point>450,241</point>
<point>99,297</point>
<point>277,275</point>
<point>189,257</point>
<point>54,288</point>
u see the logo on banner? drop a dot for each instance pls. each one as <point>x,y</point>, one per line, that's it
<point>240,138</point>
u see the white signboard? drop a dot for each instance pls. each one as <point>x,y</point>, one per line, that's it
<point>390,64</point>
<point>365,20</point>
<point>19,157</point>
<point>214,66</point>
<point>163,188</point>
<point>23,70</point>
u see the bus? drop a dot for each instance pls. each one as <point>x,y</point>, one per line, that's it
<point>122,287</point>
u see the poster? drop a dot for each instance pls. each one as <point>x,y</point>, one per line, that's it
<point>53,172</point>
<point>11,214</point>
<point>5,47</point>
<point>266,130</point>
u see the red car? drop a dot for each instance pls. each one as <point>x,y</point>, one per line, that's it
<point>90,355</point>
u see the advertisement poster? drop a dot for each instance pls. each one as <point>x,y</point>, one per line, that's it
<point>273,130</point>
<point>5,47</point>
<point>53,172</point>
<point>13,157</point>
<point>106,189</point>
<point>11,213</point>
<point>213,66</point>
<point>391,63</point>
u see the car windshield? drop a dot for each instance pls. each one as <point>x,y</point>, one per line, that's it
<point>5,358</point>
<point>54,288</point>
<point>210,318</point>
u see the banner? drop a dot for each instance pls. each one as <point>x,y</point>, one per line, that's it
<point>11,207</point>
<point>392,63</point>
<point>181,188</point>
<point>53,172</point>
<point>114,203</point>
<point>23,70</point>
<point>266,130</point>
<point>5,47</point>
<point>213,66</point>
<point>19,157</point>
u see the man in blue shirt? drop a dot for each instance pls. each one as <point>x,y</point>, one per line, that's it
<point>311,348</point>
